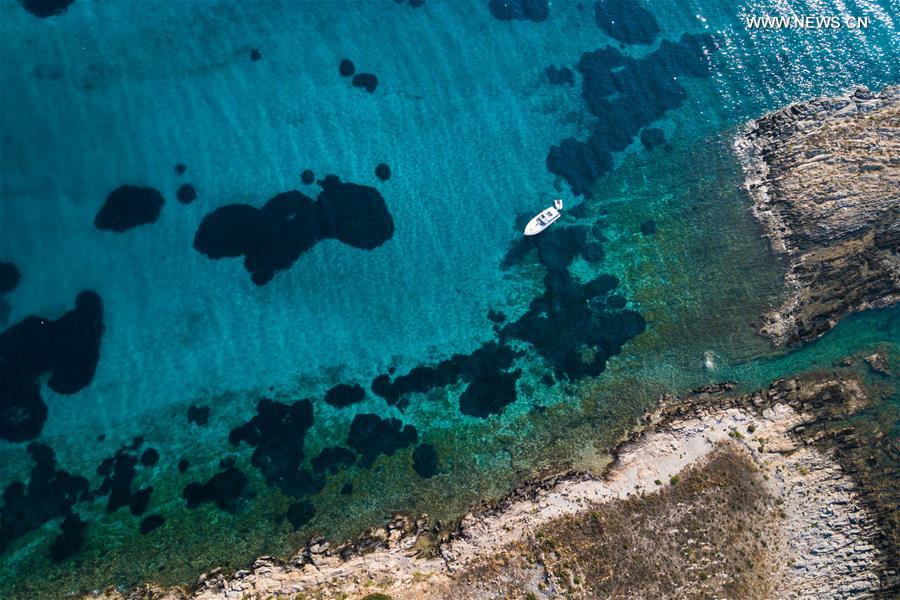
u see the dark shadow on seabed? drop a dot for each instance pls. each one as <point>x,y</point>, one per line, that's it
<point>546,428</point>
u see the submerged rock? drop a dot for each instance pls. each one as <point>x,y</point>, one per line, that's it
<point>150,523</point>
<point>520,10</point>
<point>49,493</point>
<point>491,357</point>
<point>560,75</point>
<point>580,163</point>
<point>367,81</point>
<point>198,414</point>
<point>571,326</point>
<point>186,193</point>
<point>270,238</point>
<point>68,349</point>
<point>46,8</point>
<point>343,395</point>
<point>615,302</point>
<point>333,459</point>
<point>383,172</point>
<point>354,214</point>
<point>489,394</point>
<point>651,137</point>
<point>9,277</point>
<point>129,206</point>
<point>556,248</point>
<point>425,461</point>
<point>625,94</point>
<point>496,316</point>
<point>138,501</point>
<point>150,457</point>
<point>70,539</point>
<point>300,513</point>
<point>370,436</point>
<point>273,237</point>
<point>346,68</point>
<point>626,21</point>
<point>119,473</point>
<point>277,433</point>
<point>227,489</point>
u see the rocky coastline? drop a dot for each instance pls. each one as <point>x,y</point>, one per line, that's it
<point>824,177</point>
<point>785,492</point>
<point>775,470</point>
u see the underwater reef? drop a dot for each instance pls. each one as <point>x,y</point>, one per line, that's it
<point>778,489</point>
<point>129,206</point>
<point>273,237</point>
<point>251,432</point>
<point>67,348</point>
<point>613,86</point>
<point>719,494</point>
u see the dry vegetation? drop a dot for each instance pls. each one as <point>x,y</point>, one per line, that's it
<point>704,534</point>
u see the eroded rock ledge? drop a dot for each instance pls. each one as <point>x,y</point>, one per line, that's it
<point>824,177</point>
<point>752,496</point>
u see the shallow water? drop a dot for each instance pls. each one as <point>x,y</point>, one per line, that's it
<point>108,94</point>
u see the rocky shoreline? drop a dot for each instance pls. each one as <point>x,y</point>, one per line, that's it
<point>824,177</point>
<point>780,493</point>
<point>787,449</point>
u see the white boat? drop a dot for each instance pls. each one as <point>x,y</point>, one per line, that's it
<point>545,218</point>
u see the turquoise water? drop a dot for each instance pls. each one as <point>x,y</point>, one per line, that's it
<point>108,94</point>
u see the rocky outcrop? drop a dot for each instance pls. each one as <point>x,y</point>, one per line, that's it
<point>824,177</point>
<point>766,479</point>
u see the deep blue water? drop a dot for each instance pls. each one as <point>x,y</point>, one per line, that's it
<point>465,115</point>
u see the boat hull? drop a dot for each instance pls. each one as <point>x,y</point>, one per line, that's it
<point>537,224</point>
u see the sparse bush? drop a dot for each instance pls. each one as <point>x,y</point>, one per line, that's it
<point>720,504</point>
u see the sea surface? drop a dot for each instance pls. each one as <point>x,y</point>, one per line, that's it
<point>495,368</point>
